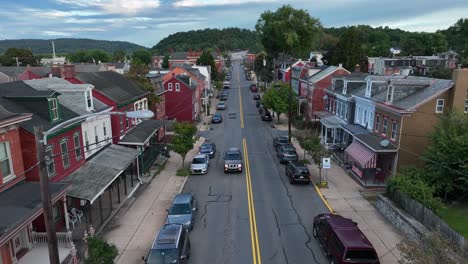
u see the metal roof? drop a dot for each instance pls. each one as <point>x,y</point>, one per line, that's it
<point>142,133</point>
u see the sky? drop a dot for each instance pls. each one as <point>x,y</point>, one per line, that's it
<point>146,22</point>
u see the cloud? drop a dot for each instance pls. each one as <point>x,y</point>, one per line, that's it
<point>126,7</point>
<point>196,3</point>
<point>56,33</point>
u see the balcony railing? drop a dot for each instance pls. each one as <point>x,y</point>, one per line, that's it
<point>63,238</point>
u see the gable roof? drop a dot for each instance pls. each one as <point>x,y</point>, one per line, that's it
<point>113,85</point>
<point>89,67</point>
<point>186,80</point>
<point>324,73</point>
<point>13,71</point>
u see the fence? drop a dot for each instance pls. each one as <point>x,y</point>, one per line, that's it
<point>430,220</point>
<point>63,238</point>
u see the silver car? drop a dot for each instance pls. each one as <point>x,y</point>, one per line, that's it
<point>200,164</point>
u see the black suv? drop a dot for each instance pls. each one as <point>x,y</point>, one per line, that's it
<point>232,160</point>
<point>172,245</point>
<point>266,116</point>
<point>297,172</point>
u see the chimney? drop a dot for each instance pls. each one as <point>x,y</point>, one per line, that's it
<point>68,71</point>
<point>460,89</point>
<point>357,68</point>
<point>173,74</point>
<point>340,65</point>
<point>55,71</point>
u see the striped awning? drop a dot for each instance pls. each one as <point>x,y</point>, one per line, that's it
<point>361,154</point>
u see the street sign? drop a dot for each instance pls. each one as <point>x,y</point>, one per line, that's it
<point>326,163</point>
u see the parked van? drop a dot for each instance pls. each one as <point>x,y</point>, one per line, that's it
<point>343,241</point>
<point>172,245</point>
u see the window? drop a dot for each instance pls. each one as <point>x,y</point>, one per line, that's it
<point>127,123</point>
<point>465,109</point>
<point>377,123</point>
<point>89,101</point>
<point>169,86</point>
<point>76,141</point>
<point>96,136</point>
<point>338,108</point>
<point>65,156</point>
<point>390,94</point>
<point>54,109</point>
<point>104,130</point>
<point>440,106</point>
<point>385,125</point>
<point>56,212</point>
<point>358,116</point>
<point>177,87</point>
<point>5,161</point>
<point>121,124</point>
<point>50,164</point>
<point>345,111</point>
<point>364,118</point>
<point>86,140</point>
<point>394,130</point>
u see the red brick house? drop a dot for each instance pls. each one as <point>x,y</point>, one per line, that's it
<point>191,57</point>
<point>285,70</point>
<point>22,234</point>
<point>182,97</point>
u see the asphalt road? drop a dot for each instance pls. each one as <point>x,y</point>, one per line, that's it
<point>277,227</point>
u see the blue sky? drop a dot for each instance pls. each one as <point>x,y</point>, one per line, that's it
<point>145,22</point>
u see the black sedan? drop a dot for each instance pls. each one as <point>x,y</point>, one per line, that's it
<point>297,172</point>
<point>256,96</point>
<point>266,116</point>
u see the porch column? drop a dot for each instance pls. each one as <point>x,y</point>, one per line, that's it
<point>334,136</point>
<point>65,210</point>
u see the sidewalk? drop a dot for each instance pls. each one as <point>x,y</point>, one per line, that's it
<point>205,123</point>
<point>134,230</point>
<point>345,197</point>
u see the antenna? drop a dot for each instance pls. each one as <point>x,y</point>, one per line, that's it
<point>53,49</point>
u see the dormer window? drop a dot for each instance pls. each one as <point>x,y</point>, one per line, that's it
<point>54,109</point>
<point>390,93</point>
<point>89,100</point>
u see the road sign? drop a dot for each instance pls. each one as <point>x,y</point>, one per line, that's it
<point>326,163</point>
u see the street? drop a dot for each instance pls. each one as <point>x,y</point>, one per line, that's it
<point>257,216</point>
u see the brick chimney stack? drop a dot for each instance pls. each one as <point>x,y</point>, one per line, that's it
<point>68,71</point>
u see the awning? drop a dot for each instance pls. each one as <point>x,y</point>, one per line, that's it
<point>362,155</point>
<point>332,121</point>
<point>142,133</point>
<point>21,204</point>
<point>93,178</point>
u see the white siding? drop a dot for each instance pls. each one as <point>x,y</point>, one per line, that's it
<point>88,127</point>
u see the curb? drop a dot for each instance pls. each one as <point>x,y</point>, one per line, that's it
<point>186,178</point>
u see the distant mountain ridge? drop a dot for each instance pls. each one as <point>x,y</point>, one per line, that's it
<point>67,45</point>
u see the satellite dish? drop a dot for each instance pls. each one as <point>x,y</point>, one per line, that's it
<point>384,143</point>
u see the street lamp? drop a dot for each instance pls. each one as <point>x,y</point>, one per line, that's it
<point>43,175</point>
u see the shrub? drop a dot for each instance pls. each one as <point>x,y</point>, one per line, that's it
<point>100,252</point>
<point>410,182</point>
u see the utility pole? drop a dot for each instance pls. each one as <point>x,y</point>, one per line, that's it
<point>206,103</point>
<point>289,102</point>
<point>46,202</point>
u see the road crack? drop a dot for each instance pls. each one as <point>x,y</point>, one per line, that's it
<point>219,198</point>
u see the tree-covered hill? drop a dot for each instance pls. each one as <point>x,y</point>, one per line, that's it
<point>67,45</point>
<point>222,39</point>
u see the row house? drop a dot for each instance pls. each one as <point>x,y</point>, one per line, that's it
<point>22,236</point>
<point>159,106</point>
<point>191,57</point>
<point>382,122</point>
<point>284,73</point>
<point>311,82</point>
<point>12,73</point>
<point>184,88</point>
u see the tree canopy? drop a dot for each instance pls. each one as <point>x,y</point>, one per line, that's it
<point>143,55</point>
<point>276,99</point>
<point>288,30</point>
<point>349,49</point>
<point>24,56</point>
<point>183,139</point>
<point>119,55</point>
<point>206,59</point>
<point>91,56</point>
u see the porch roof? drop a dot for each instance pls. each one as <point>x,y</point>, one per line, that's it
<point>322,114</point>
<point>22,202</point>
<point>92,179</point>
<point>332,121</point>
<point>369,139</point>
<point>142,133</point>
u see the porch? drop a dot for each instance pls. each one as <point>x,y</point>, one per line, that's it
<point>332,135</point>
<point>39,253</point>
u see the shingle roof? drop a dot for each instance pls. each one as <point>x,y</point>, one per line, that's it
<point>89,68</point>
<point>179,55</point>
<point>12,71</point>
<point>21,202</point>
<point>371,140</point>
<point>142,132</point>
<point>113,85</point>
<point>186,80</point>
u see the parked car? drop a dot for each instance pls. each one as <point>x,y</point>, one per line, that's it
<point>208,148</point>
<point>261,110</point>
<point>217,118</point>
<point>266,116</point>
<point>343,241</point>
<point>221,106</point>
<point>253,88</point>
<point>256,96</point>
<point>258,104</point>
<point>200,164</point>
<point>223,97</point>
<point>286,153</point>
<point>171,245</point>
<point>280,141</point>
<point>182,210</point>
<point>232,160</point>
<point>297,172</point>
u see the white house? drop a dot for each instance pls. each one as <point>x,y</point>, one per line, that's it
<point>96,131</point>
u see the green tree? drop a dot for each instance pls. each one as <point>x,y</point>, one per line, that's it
<point>100,252</point>
<point>264,73</point>
<point>98,55</point>
<point>349,50</point>
<point>137,73</point>
<point>143,55</point>
<point>206,59</point>
<point>446,156</point>
<point>25,57</point>
<point>119,55</point>
<point>165,62</point>
<point>183,139</point>
<point>274,101</point>
<point>287,30</point>
<point>316,151</point>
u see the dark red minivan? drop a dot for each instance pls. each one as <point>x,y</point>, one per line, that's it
<point>343,241</point>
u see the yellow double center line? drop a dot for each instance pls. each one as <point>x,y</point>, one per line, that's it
<point>250,199</point>
<point>240,109</point>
